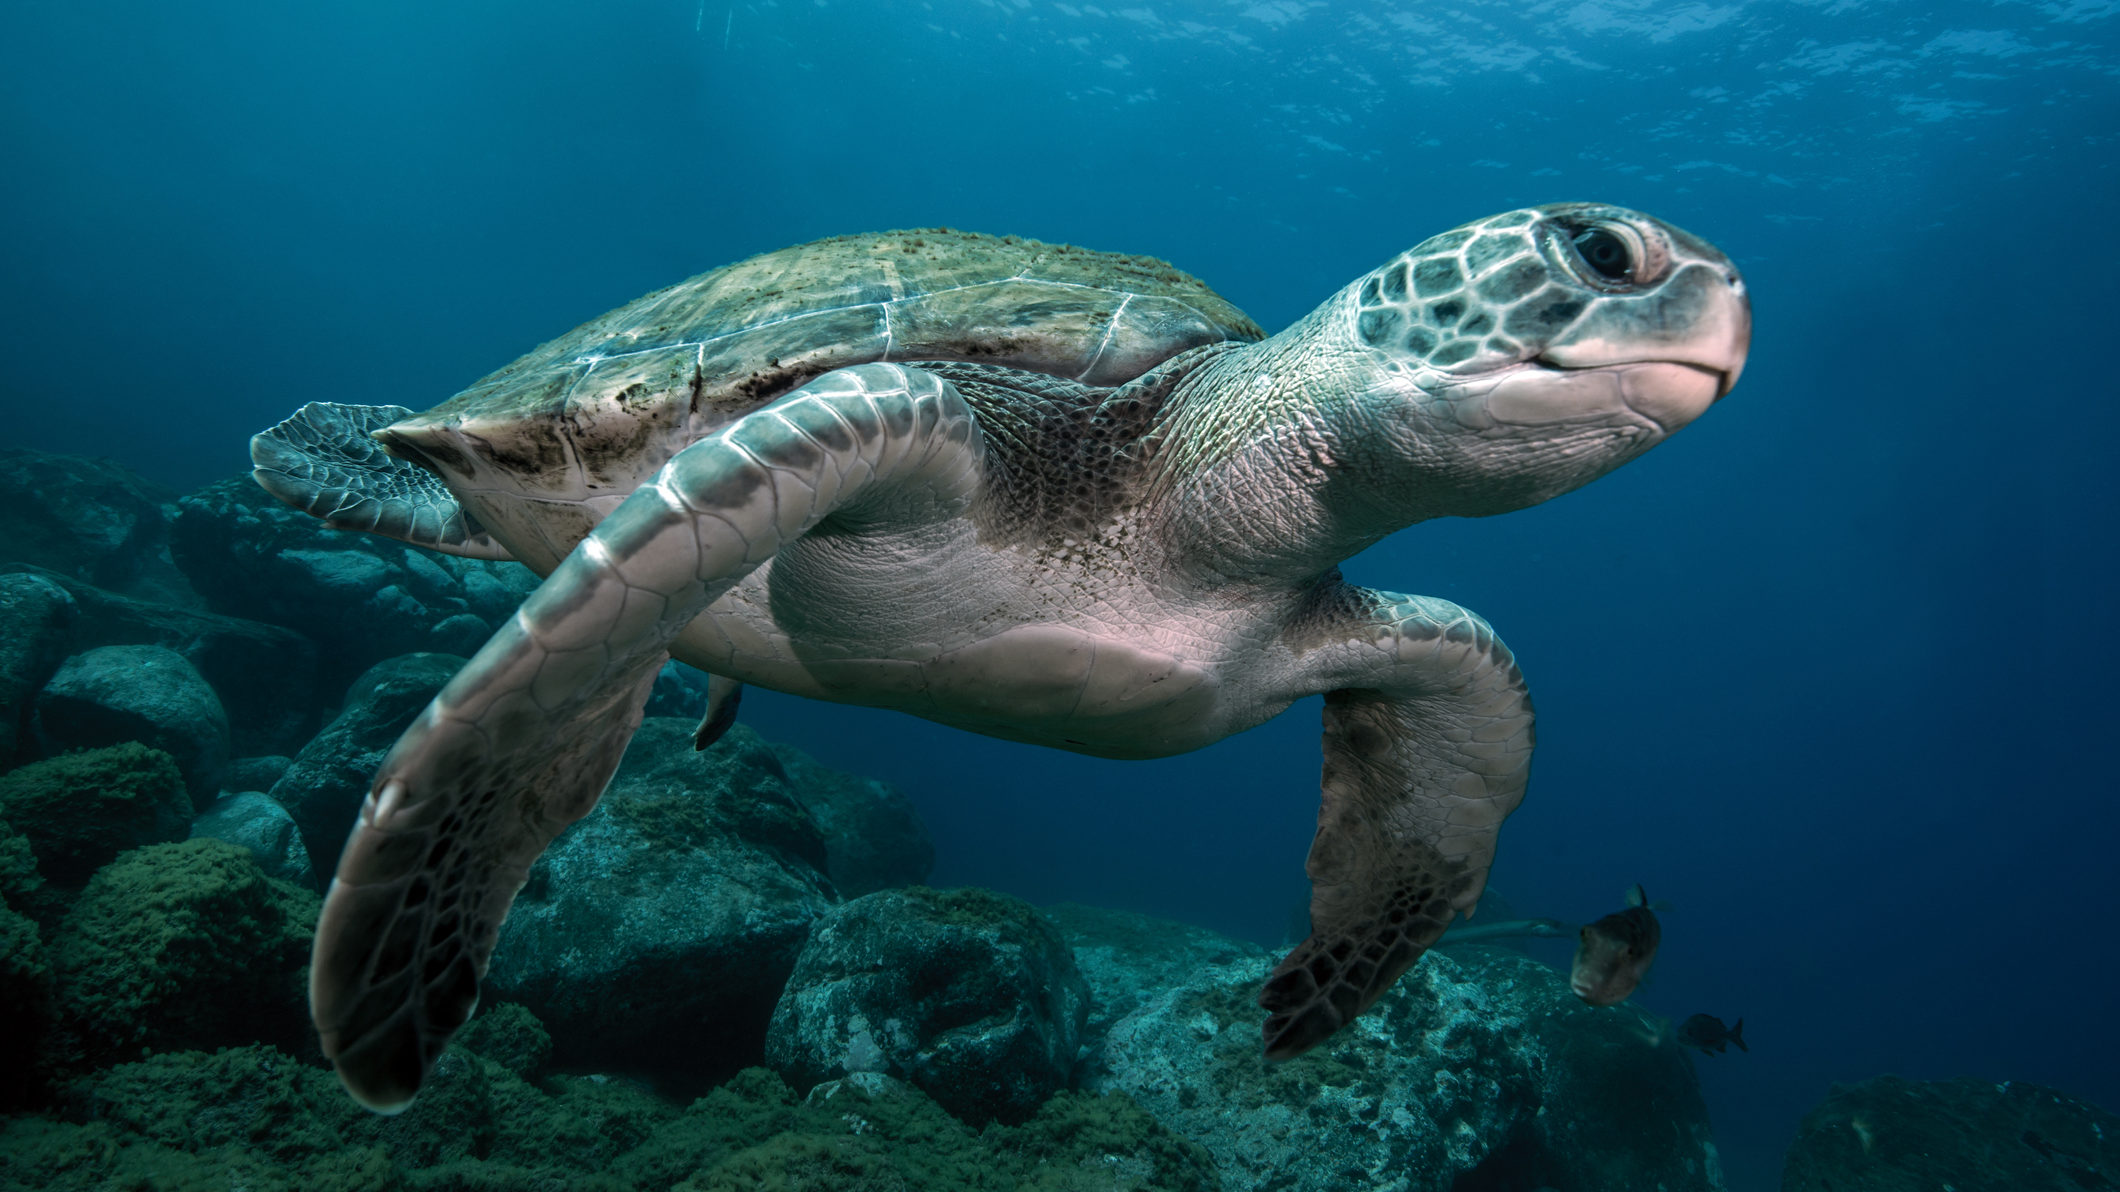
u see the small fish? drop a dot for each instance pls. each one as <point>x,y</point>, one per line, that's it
<point>1613,953</point>
<point>1707,1034</point>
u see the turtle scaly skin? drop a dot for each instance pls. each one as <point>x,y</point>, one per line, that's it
<point>1124,559</point>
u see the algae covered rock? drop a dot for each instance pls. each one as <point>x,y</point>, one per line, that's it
<point>149,694</point>
<point>870,1132</point>
<point>655,934</point>
<point>509,1035</point>
<point>1890,1134</point>
<point>80,810</point>
<point>323,787</point>
<point>254,1118</point>
<point>968,995</point>
<point>182,945</point>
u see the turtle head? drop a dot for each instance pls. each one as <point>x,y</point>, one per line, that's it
<point>1524,355</point>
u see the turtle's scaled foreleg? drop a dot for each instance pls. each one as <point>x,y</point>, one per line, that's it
<point>523,740</point>
<point>1428,735</point>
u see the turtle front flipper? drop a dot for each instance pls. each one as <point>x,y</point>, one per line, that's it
<point>1427,748</point>
<point>524,739</point>
<point>322,461</point>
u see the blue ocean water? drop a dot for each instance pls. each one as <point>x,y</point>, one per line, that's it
<point>1829,672</point>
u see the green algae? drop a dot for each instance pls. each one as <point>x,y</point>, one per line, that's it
<point>80,810</point>
<point>970,906</point>
<point>510,1035</point>
<point>20,883</point>
<point>255,1118</point>
<point>887,1137</point>
<point>180,945</point>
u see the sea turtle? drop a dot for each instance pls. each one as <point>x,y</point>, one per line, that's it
<point>1058,496</point>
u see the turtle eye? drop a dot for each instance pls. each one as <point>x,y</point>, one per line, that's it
<point>1605,252</point>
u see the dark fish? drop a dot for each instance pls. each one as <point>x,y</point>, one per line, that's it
<point>1613,953</point>
<point>1706,1033</point>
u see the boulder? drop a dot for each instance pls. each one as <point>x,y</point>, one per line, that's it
<point>264,674</point>
<point>323,787</point>
<point>1480,1067</point>
<point>510,1036</point>
<point>262,827</point>
<point>36,634</point>
<point>255,773</point>
<point>149,694</point>
<point>969,996</point>
<point>873,839</point>
<point>81,810</point>
<point>1890,1134</point>
<point>360,597</point>
<point>1130,959</point>
<point>181,945</point>
<point>94,520</point>
<point>655,934</point>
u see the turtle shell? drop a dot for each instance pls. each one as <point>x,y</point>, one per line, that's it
<point>587,417</point>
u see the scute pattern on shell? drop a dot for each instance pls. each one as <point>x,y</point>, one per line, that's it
<point>600,408</point>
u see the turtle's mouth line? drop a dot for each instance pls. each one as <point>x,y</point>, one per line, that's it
<point>1725,378</point>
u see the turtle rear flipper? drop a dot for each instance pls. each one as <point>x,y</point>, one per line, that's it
<point>323,461</point>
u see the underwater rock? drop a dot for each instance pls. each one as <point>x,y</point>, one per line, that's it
<point>264,674</point>
<point>36,634</point>
<point>361,598</point>
<point>255,773</point>
<point>968,995</point>
<point>1890,1134</point>
<point>873,839</point>
<point>263,827</point>
<point>256,1118</point>
<point>509,1035</point>
<point>149,694</point>
<point>94,520</point>
<point>1475,1068</point>
<point>181,945</point>
<point>323,787</point>
<point>655,934</point>
<point>1619,1105</point>
<point>1129,959</point>
<point>25,969</point>
<point>81,810</point>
